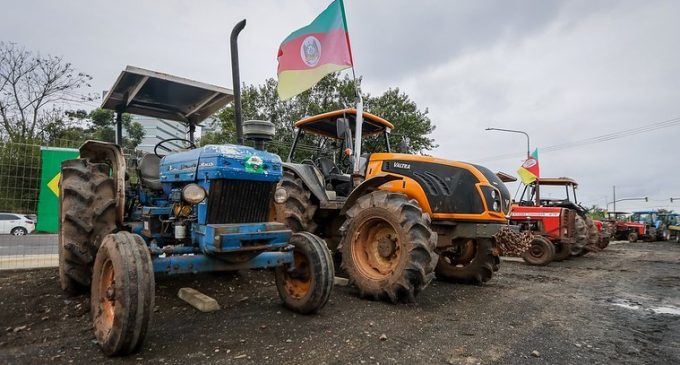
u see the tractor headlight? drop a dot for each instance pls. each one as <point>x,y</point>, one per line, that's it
<point>496,205</point>
<point>280,195</point>
<point>193,194</point>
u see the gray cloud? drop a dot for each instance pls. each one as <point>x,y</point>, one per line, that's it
<point>562,70</point>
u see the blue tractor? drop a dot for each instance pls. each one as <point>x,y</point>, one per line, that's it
<point>170,212</point>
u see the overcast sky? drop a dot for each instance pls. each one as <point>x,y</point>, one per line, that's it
<point>563,71</point>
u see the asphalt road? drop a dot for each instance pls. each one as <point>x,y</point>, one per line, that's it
<point>32,244</point>
<point>620,306</point>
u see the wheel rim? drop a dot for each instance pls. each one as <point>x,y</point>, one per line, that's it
<point>298,281</point>
<point>460,255</point>
<point>376,249</point>
<point>537,250</point>
<point>107,297</point>
<point>18,232</point>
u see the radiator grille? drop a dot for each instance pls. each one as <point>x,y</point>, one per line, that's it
<point>239,201</point>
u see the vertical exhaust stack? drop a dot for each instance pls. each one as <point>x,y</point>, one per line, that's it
<point>235,75</point>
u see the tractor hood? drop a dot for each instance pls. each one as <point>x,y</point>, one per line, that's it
<point>221,162</point>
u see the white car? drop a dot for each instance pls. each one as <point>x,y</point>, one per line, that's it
<point>16,224</point>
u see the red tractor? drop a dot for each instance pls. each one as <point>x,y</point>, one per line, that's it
<point>549,209</point>
<point>621,228</point>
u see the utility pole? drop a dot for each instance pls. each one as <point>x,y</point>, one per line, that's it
<point>614,190</point>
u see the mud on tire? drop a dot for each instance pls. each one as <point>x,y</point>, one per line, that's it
<point>470,262</point>
<point>122,296</point>
<point>562,251</point>
<point>388,247</point>
<point>86,214</point>
<point>298,210</point>
<point>307,288</point>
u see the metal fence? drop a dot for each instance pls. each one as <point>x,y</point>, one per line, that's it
<point>20,169</point>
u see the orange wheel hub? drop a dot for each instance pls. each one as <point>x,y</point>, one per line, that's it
<point>375,248</point>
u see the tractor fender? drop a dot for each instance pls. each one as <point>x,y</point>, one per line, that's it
<point>311,177</point>
<point>112,154</point>
<point>366,187</point>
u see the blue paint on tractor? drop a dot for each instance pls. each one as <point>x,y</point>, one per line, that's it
<point>177,233</point>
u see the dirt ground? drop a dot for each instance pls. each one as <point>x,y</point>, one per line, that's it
<point>619,306</point>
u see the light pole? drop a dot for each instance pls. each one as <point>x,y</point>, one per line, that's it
<point>674,199</point>
<point>625,199</point>
<point>514,131</point>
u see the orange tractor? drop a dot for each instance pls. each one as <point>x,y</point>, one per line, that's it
<point>394,219</point>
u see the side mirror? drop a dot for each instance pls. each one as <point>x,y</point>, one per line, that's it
<point>342,127</point>
<point>403,145</point>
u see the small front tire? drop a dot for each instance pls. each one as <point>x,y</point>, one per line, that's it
<point>307,286</point>
<point>632,237</point>
<point>122,293</point>
<point>540,253</point>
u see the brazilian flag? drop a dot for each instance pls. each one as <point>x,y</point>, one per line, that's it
<point>50,174</point>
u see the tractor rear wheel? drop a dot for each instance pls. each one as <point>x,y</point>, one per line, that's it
<point>632,237</point>
<point>306,287</point>
<point>593,234</point>
<point>471,262</point>
<point>122,296</point>
<point>562,251</point>
<point>298,209</point>
<point>87,213</point>
<point>541,252</point>
<point>388,247</point>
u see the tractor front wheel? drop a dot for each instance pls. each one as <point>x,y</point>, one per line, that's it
<point>388,247</point>
<point>632,237</point>
<point>471,262</point>
<point>540,253</point>
<point>306,286</point>
<point>122,293</point>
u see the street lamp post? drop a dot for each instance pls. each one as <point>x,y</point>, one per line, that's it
<point>514,131</point>
<point>626,199</point>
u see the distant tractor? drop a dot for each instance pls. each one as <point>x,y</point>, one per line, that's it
<point>549,209</point>
<point>621,227</point>
<point>196,210</point>
<point>395,219</point>
<point>650,226</point>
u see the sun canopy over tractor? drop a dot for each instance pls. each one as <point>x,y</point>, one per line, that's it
<point>154,94</point>
<point>326,124</point>
<point>557,181</point>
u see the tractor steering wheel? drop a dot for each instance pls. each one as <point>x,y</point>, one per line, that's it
<point>160,144</point>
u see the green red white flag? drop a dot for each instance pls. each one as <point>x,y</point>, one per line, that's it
<point>529,170</point>
<point>312,52</point>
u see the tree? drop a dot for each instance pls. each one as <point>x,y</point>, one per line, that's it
<point>99,124</point>
<point>596,213</point>
<point>331,93</point>
<point>31,86</point>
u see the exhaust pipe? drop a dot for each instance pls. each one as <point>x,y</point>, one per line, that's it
<point>235,75</point>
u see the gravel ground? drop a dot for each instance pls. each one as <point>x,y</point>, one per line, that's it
<point>619,306</point>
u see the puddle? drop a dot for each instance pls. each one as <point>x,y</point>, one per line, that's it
<point>627,304</point>
<point>667,310</point>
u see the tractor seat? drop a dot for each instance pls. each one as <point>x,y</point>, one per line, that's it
<point>331,172</point>
<point>149,170</point>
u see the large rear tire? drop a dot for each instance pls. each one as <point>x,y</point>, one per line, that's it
<point>562,251</point>
<point>541,252</point>
<point>87,213</point>
<point>297,212</point>
<point>306,287</point>
<point>122,296</point>
<point>470,262</point>
<point>388,247</point>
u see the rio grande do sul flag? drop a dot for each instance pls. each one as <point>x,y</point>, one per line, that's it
<point>312,52</point>
<point>529,170</point>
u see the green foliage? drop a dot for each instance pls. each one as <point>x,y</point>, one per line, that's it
<point>331,93</point>
<point>597,213</point>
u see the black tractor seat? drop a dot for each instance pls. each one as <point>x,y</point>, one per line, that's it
<point>149,171</point>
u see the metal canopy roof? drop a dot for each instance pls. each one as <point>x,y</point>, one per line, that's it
<point>557,181</point>
<point>154,94</point>
<point>326,124</point>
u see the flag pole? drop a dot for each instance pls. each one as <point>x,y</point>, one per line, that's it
<point>359,107</point>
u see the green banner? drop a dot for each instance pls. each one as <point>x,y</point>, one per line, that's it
<point>50,173</point>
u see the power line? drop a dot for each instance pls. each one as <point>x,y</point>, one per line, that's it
<point>598,139</point>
